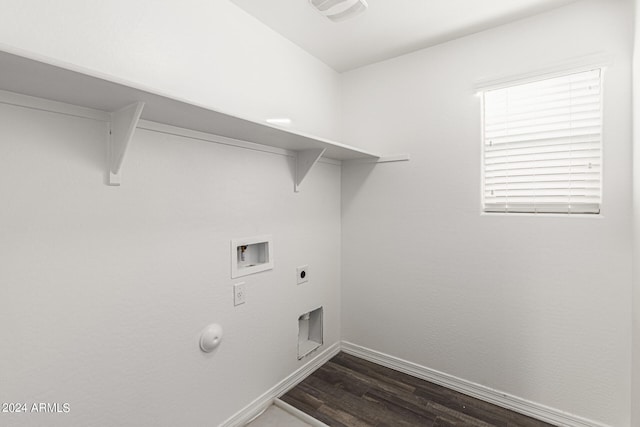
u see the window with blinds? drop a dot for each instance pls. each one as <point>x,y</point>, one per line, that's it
<point>542,146</point>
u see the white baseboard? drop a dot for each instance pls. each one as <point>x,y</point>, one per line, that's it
<point>513,403</point>
<point>505,400</point>
<point>252,410</point>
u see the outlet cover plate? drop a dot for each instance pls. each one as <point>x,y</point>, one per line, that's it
<point>239,294</point>
<point>302,274</point>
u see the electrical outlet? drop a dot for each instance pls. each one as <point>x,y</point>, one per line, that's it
<point>303,274</point>
<point>239,294</point>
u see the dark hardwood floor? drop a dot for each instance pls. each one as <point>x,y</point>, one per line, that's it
<point>348,391</point>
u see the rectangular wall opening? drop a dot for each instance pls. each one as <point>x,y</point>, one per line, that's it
<point>251,255</point>
<point>309,332</point>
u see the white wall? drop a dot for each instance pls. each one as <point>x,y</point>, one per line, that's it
<point>206,51</point>
<point>635,390</point>
<point>538,307</point>
<point>105,289</point>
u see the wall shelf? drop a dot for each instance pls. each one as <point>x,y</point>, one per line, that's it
<point>27,74</point>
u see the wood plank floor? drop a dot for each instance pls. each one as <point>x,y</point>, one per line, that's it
<point>351,392</point>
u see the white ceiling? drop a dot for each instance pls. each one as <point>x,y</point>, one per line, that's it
<point>389,27</point>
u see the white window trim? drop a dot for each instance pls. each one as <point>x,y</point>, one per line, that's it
<point>575,65</point>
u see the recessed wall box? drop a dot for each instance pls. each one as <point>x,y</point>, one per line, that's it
<point>251,255</point>
<point>309,332</point>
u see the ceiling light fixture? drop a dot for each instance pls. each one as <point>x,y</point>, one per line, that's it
<point>339,10</point>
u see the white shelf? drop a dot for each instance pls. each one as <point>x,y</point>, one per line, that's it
<point>45,78</point>
<point>126,105</point>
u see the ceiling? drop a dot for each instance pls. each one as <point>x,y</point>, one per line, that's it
<point>389,27</point>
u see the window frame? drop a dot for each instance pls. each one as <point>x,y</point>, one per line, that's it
<point>483,87</point>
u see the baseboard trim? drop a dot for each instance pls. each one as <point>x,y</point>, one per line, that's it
<point>255,408</point>
<point>505,400</point>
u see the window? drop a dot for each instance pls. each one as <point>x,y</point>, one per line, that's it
<point>542,146</point>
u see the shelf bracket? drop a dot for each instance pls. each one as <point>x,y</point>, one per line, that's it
<point>122,126</point>
<point>305,160</point>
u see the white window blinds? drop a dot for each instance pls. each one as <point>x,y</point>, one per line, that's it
<point>542,146</point>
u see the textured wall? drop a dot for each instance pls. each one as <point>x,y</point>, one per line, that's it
<point>209,52</point>
<point>105,289</point>
<point>535,306</point>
